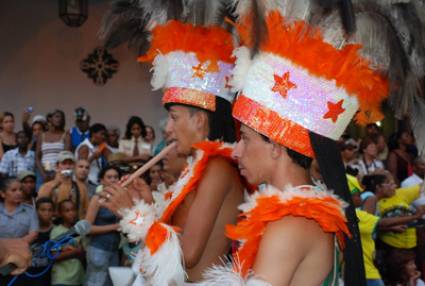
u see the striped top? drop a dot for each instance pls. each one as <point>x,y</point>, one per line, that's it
<point>50,152</point>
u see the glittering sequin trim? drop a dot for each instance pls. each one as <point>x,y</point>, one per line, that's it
<point>190,97</point>
<point>272,125</point>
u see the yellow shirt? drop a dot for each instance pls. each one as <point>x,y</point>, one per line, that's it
<point>367,226</point>
<point>399,205</point>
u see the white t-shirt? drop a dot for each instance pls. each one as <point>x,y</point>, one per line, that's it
<point>95,165</point>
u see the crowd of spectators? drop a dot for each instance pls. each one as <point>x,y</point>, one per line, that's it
<point>50,178</point>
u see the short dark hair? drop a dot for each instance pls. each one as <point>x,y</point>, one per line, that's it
<point>63,123</point>
<point>97,127</point>
<point>43,200</point>
<point>295,156</point>
<point>10,114</point>
<point>107,168</point>
<point>221,123</point>
<point>61,203</point>
<point>366,142</point>
<point>371,182</point>
<point>134,120</point>
<point>5,182</point>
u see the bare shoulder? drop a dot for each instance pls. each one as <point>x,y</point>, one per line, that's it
<point>220,167</point>
<point>220,173</point>
<point>294,240</point>
<point>45,190</point>
<point>302,231</point>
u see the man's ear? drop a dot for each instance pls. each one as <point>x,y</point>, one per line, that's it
<point>276,150</point>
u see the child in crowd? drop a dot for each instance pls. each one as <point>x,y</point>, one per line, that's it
<point>67,269</point>
<point>44,207</point>
<point>402,269</point>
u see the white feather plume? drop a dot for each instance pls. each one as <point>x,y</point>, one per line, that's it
<point>160,72</point>
<point>242,66</point>
<point>136,221</point>
<point>166,266</point>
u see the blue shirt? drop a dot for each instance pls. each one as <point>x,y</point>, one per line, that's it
<point>19,223</point>
<point>14,162</point>
<point>77,137</point>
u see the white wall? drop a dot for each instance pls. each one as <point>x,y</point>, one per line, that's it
<point>39,67</point>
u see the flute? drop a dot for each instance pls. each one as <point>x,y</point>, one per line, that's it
<point>149,164</point>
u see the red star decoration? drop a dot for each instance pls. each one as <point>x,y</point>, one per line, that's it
<point>136,220</point>
<point>282,84</point>
<point>199,71</point>
<point>334,110</point>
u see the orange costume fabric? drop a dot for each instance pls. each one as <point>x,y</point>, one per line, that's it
<point>271,205</point>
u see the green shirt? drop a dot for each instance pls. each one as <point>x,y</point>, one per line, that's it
<point>70,271</point>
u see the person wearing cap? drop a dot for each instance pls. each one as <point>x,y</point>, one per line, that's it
<point>80,131</point>
<point>192,66</point>
<point>37,127</point>
<point>27,179</point>
<point>19,159</point>
<point>63,186</point>
<point>297,94</point>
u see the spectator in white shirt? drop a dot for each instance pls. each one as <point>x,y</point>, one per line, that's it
<point>19,159</point>
<point>418,174</point>
<point>368,162</point>
<point>415,179</point>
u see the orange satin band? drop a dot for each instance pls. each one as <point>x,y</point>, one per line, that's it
<point>189,97</point>
<point>272,125</point>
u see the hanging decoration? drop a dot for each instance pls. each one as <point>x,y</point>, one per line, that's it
<point>73,12</point>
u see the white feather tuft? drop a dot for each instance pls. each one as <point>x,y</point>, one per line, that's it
<point>220,275</point>
<point>136,221</point>
<point>160,72</point>
<point>166,266</point>
<point>242,66</point>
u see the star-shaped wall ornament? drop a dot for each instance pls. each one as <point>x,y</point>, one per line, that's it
<point>282,84</point>
<point>334,110</point>
<point>99,66</point>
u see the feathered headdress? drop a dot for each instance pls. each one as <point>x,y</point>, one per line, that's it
<point>298,82</point>
<point>188,45</point>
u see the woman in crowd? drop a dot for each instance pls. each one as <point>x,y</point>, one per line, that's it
<point>7,135</point>
<point>53,141</point>
<point>102,251</point>
<point>134,144</point>
<point>150,137</point>
<point>17,220</point>
<point>368,162</point>
<point>400,159</point>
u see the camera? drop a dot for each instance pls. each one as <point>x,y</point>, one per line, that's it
<point>66,173</point>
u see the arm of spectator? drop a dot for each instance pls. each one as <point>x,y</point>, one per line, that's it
<point>67,141</point>
<point>388,222</point>
<point>25,122</point>
<point>69,252</point>
<point>34,226</point>
<point>17,252</point>
<point>392,165</point>
<point>369,204</point>
<point>5,164</point>
<point>38,155</point>
<point>1,149</point>
<point>92,210</point>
